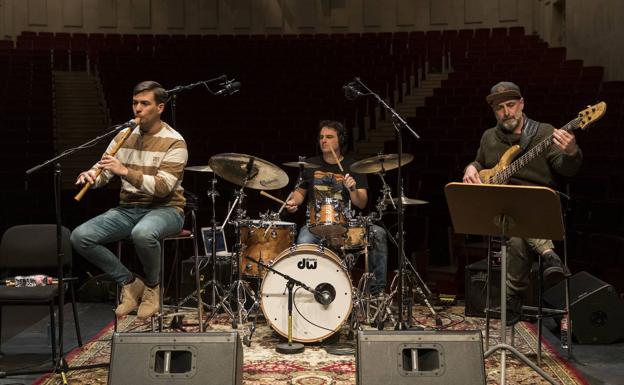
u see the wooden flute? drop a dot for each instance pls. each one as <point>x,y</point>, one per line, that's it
<point>118,145</point>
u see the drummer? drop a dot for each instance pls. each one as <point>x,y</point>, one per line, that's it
<point>329,181</point>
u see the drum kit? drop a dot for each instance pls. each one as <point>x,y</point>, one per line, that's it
<point>265,253</point>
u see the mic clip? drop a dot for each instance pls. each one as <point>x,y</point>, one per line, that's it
<point>351,90</point>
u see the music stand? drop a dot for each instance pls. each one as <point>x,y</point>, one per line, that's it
<point>507,211</point>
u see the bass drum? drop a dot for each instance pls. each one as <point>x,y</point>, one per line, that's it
<point>320,269</point>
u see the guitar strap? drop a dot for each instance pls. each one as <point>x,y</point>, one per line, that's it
<point>528,132</point>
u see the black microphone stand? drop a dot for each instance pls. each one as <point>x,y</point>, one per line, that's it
<point>289,347</point>
<point>226,89</point>
<point>61,364</point>
<point>172,95</point>
<point>399,123</point>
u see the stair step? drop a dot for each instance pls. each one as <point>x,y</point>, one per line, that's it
<point>385,131</point>
<point>80,117</point>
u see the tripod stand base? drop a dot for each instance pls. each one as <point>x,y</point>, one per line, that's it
<point>503,347</point>
<point>292,348</point>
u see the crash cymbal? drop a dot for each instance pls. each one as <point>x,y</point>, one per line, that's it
<point>205,168</point>
<point>233,168</point>
<point>407,201</point>
<point>379,162</point>
<point>299,164</point>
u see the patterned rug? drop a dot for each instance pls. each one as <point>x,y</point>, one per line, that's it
<point>262,365</point>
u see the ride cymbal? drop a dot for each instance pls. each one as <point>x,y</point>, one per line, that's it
<point>204,168</point>
<point>262,176</point>
<point>299,164</point>
<point>380,162</point>
<point>407,201</point>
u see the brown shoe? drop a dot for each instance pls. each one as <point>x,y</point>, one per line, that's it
<point>150,302</point>
<point>130,295</point>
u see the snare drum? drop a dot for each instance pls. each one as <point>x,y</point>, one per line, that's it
<point>326,218</point>
<point>320,269</point>
<point>261,247</point>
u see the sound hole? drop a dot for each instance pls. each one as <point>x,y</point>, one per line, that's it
<point>170,362</point>
<point>421,360</point>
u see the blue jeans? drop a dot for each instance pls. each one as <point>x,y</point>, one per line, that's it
<point>377,255</point>
<point>144,226</point>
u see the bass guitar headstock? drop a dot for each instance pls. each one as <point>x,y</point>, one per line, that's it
<point>591,114</point>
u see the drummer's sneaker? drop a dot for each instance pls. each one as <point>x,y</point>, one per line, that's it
<point>130,294</point>
<point>150,302</point>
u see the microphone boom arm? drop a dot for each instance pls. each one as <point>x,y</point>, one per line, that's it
<point>222,80</point>
<point>395,116</point>
<point>285,276</point>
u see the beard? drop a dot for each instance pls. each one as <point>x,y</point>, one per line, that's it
<point>509,124</point>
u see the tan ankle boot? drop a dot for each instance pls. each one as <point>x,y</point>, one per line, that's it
<point>130,295</point>
<point>150,302</point>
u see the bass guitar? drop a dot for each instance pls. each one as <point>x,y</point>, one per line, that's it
<point>507,166</point>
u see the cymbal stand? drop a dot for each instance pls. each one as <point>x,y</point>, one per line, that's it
<point>217,293</point>
<point>240,286</point>
<point>413,277</point>
<point>419,284</point>
<point>400,126</point>
<point>362,295</point>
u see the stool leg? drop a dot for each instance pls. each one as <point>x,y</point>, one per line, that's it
<point>488,286</point>
<point>540,288</point>
<point>197,273</point>
<point>567,297</point>
<point>117,290</point>
<point>162,285</point>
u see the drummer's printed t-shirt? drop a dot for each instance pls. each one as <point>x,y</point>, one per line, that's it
<point>327,180</point>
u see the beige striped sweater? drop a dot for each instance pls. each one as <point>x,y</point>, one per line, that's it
<point>155,168</point>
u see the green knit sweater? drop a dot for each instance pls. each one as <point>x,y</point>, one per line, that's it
<point>541,170</point>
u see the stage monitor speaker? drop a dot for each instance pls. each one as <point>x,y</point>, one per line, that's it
<point>596,310</point>
<point>176,358</point>
<point>423,357</point>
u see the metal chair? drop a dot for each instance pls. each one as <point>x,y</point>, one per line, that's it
<point>30,249</point>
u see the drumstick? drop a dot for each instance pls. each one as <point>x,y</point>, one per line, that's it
<point>339,165</point>
<point>337,160</point>
<point>266,194</point>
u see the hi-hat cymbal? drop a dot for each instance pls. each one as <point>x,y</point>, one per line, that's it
<point>299,164</point>
<point>233,168</point>
<point>380,162</point>
<point>407,201</point>
<point>204,168</point>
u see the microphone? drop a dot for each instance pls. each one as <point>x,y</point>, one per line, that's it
<point>324,293</point>
<point>326,298</point>
<point>132,123</point>
<point>230,87</point>
<point>351,92</point>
